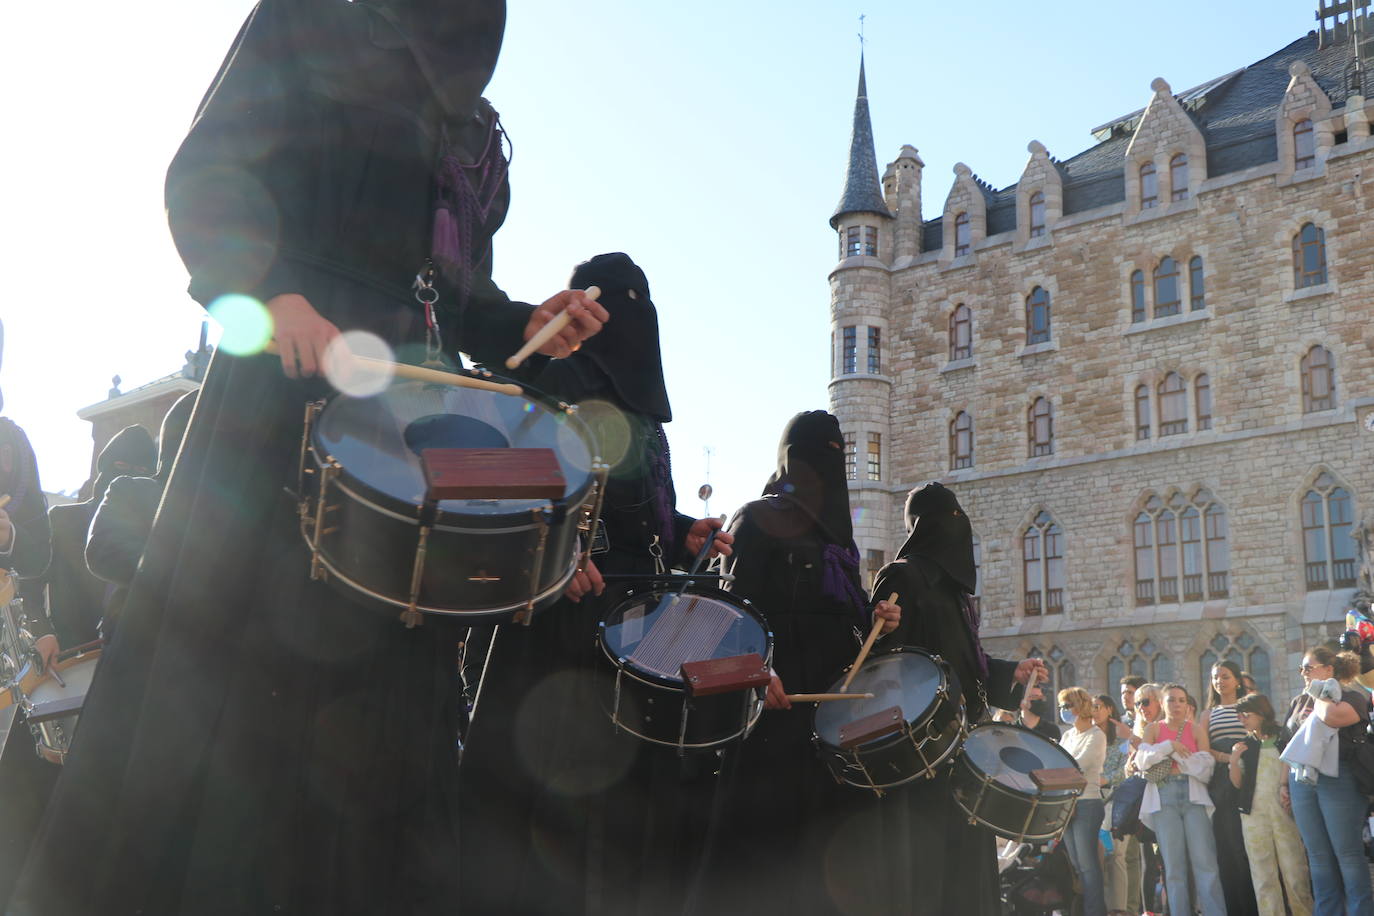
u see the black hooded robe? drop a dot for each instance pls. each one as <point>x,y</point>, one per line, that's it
<point>26,781</point>
<point>255,741</point>
<point>561,813</point>
<point>953,865</point>
<point>76,597</point>
<point>787,837</point>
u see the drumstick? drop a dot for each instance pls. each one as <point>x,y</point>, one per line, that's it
<point>826,697</point>
<point>5,500</point>
<point>868,644</point>
<point>556,323</point>
<point>422,373</point>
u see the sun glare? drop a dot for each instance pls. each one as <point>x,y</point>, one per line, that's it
<point>359,364</point>
<point>246,322</point>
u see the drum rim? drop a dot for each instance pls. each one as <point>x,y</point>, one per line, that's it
<point>403,510</point>
<point>545,596</point>
<point>946,680</point>
<point>756,711</point>
<point>676,685</point>
<point>1017,793</point>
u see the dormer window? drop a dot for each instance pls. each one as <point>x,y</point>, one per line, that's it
<point>961,235</point>
<point>1178,177</point>
<point>1304,145</point>
<point>1149,187</point>
<point>1037,215</point>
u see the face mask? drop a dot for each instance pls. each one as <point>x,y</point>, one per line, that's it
<point>1067,717</point>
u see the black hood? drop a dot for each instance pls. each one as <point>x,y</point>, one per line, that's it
<point>941,532</point>
<point>811,473</point>
<point>626,351</point>
<point>173,431</point>
<point>131,451</point>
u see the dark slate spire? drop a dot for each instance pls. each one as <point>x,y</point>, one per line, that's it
<point>862,191</point>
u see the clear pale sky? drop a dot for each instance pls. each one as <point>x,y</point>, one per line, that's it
<point>708,140</point>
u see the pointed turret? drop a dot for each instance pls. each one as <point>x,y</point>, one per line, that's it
<point>862,191</point>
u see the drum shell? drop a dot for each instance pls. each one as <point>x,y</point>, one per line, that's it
<point>477,567</point>
<point>1007,812</point>
<point>651,707</point>
<point>916,752</point>
<point>52,710</point>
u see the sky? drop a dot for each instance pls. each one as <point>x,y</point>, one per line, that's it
<point>707,140</point>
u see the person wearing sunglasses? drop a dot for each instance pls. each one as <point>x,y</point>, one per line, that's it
<point>1330,810</point>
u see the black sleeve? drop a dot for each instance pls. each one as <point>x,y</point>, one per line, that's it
<point>120,527</point>
<point>28,511</point>
<point>246,150</point>
<point>1002,689</point>
<point>749,562</point>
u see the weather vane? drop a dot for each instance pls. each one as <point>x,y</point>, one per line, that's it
<point>861,31</point>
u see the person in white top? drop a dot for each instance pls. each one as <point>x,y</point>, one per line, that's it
<point>1088,746</point>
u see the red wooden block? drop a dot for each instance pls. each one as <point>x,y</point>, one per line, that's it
<point>493,473</point>
<point>861,731</point>
<point>722,675</point>
<point>1056,779</point>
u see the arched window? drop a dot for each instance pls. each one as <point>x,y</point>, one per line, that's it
<point>1304,145</point>
<point>1328,548</point>
<point>1037,214</point>
<point>1042,559</point>
<point>1243,649</point>
<point>1318,371</point>
<point>1038,316</point>
<point>1166,288</point>
<point>1309,257</point>
<point>1040,428</point>
<point>1060,667</point>
<point>961,441</point>
<point>961,235</point>
<point>1142,412</point>
<point>1142,659</point>
<point>1137,297</point>
<point>1181,550</point>
<point>1178,177</point>
<point>961,333</point>
<point>1197,295</point>
<point>1173,405</point>
<point>1202,399</point>
<point>1149,186</point>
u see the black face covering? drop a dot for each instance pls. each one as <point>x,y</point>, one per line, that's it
<point>131,451</point>
<point>940,531</point>
<point>811,472</point>
<point>626,351</point>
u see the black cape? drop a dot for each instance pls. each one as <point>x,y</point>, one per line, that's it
<point>568,814</point>
<point>254,741</point>
<point>952,863</point>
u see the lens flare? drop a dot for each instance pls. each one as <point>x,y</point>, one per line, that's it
<point>856,515</point>
<point>609,427</point>
<point>359,364</point>
<point>246,322</point>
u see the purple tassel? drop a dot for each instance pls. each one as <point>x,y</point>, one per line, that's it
<point>841,565</point>
<point>972,617</point>
<point>446,246</point>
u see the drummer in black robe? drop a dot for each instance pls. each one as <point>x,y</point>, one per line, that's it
<point>256,741</point>
<point>26,781</point>
<point>953,865</point>
<point>122,522</point>
<point>573,815</point>
<point>76,596</point>
<point>787,838</point>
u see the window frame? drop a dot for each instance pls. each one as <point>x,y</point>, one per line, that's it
<point>1309,251</point>
<point>1037,215</point>
<point>1036,308</point>
<point>1178,167</point>
<point>1304,135</point>
<point>1038,421</point>
<point>963,235</point>
<point>1166,276</point>
<point>961,320</point>
<point>1311,372</point>
<point>1149,186</point>
<point>961,441</point>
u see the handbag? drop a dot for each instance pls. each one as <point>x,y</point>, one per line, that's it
<point>1160,771</point>
<point>1126,806</point>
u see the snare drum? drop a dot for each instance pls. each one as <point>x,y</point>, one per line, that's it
<point>52,709</point>
<point>918,694</point>
<point>648,637</point>
<point>372,531</point>
<point>993,783</point>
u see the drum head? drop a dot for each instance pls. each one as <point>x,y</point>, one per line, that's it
<point>906,678</point>
<point>48,693</point>
<point>378,439</point>
<point>655,632</point>
<point>1008,753</point>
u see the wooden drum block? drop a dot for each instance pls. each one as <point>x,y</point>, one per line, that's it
<point>493,473</point>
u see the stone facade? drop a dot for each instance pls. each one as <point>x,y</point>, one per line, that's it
<point>1261,453</point>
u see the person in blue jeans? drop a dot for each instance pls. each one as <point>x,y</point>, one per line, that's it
<point>1174,755</point>
<point>1087,744</point>
<point>1331,812</point>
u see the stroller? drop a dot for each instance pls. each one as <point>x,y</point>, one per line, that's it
<point>1036,879</point>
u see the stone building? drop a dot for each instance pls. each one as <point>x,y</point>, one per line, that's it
<point>1147,370</point>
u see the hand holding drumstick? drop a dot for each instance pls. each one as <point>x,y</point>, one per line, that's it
<point>886,616</point>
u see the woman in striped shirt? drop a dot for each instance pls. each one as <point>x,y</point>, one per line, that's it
<point>1224,729</point>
